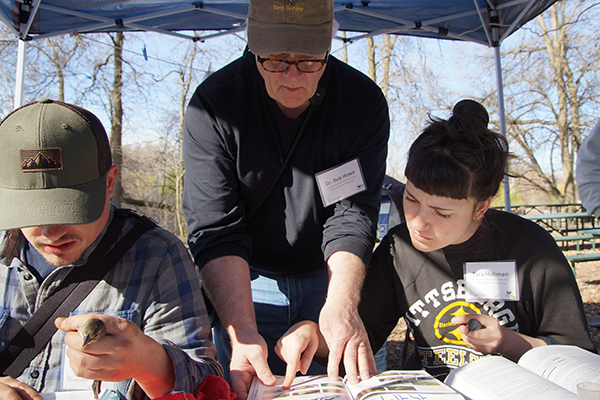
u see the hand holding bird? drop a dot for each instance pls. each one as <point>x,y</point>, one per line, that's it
<point>124,353</point>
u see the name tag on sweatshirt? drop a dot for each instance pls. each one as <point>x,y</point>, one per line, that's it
<point>340,182</point>
<point>491,280</point>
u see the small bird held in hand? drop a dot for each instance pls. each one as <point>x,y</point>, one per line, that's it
<point>91,331</point>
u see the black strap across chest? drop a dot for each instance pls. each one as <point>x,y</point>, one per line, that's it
<point>40,328</point>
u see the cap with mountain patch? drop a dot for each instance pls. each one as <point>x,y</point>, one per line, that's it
<point>55,157</point>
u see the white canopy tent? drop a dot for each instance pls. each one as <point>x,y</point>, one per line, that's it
<point>487,22</point>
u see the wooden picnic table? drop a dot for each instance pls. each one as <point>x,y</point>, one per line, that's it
<point>564,222</point>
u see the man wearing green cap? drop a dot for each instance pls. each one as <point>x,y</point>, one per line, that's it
<point>285,152</point>
<point>58,229</point>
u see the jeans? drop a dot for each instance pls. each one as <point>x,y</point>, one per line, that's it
<point>381,358</point>
<point>280,301</point>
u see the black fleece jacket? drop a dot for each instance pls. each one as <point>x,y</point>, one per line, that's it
<point>235,141</point>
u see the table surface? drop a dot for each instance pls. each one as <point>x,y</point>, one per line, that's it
<point>591,231</point>
<point>534,217</point>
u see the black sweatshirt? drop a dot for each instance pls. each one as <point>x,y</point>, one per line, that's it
<point>428,289</point>
<point>235,141</point>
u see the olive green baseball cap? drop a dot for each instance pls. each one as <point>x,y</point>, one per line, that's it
<point>55,157</point>
<point>290,26</point>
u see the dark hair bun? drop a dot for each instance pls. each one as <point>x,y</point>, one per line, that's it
<point>459,157</point>
<point>471,112</point>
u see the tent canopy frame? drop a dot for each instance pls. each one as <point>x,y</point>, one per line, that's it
<point>486,22</point>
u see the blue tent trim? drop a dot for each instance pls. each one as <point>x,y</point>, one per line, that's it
<point>467,20</point>
<point>486,22</point>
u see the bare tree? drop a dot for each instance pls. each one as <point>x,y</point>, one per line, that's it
<point>551,86</point>
<point>153,171</point>
<point>49,66</point>
<point>116,114</point>
<point>58,52</point>
<point>8,51</point>
<point>410,87</point>
<point>105,86</point>
<point>387,51</point>
<point>371,58</point>
<point>186,80</point>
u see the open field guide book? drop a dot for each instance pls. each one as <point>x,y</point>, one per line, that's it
<point>543,373</point>
<point>389,385</point>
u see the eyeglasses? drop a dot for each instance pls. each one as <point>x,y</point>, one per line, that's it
<point>306,66</point>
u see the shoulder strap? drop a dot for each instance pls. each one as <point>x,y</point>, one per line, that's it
<point>38,331</point>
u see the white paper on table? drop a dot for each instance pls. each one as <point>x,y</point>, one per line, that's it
<point>70,395</point>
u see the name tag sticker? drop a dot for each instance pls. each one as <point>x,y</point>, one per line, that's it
<point>71,383</point>
<point>340,182</point>
<point>491,280</point>
<point>68,379</point>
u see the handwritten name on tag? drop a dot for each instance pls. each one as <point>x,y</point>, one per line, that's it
<point>340,182</point>
<point>491,280</point>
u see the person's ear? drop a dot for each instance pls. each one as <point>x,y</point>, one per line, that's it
<point>111,179</point>
<point>481,208</point>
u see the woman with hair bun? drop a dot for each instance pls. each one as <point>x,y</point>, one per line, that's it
<point>454,169</point>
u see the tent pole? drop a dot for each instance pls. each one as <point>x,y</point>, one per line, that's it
<point>18,101</point>
<point>495,25</point>
<point>502,119</point>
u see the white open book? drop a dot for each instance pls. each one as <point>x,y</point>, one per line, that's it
<point>389,385</point>
<point>542,373</point>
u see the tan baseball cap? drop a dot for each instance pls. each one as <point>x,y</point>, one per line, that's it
<point>290,26</point>
<point>55,157</point>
